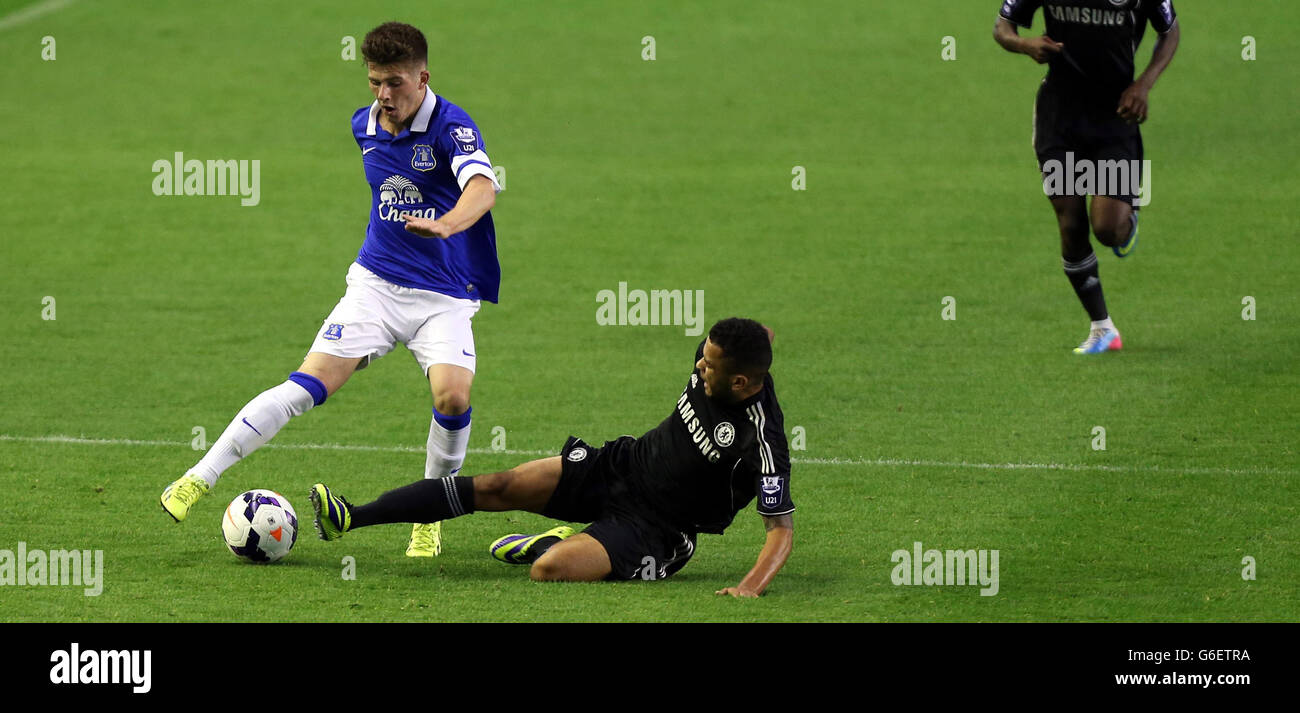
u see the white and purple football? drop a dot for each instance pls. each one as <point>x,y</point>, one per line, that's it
<point>260,526</point>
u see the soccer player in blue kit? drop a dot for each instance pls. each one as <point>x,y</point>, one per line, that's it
<point>428,259</point>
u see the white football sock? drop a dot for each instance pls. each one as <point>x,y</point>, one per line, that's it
<point>253,426</point>
<point>446,446</point>
<point>1105,324</point>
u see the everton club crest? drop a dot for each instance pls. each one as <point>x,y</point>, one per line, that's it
<point>423,160</point>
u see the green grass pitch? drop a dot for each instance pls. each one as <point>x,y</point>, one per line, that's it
<point>675,173</point>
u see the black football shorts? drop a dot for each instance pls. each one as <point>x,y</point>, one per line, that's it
<point>1070,128</point>
<point>593,489</point>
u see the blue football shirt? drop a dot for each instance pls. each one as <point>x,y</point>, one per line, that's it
<point>422,172</point>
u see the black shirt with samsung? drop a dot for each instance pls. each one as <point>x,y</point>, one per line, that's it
<point>1101,38</point>
<point>708,459</point>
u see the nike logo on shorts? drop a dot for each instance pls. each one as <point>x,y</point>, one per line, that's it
<point>466,353</point>
<point>366,151</point>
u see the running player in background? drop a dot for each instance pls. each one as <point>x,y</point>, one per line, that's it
<point>646,498</point>
<point>428,259</point>
<point>1088,111</point>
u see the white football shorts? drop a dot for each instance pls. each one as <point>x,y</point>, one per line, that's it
<point>375,314</point>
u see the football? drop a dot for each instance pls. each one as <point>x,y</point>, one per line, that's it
<point>260,526</point>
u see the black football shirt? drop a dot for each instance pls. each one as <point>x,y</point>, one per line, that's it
<point>708,460</point>
<point>1101,38</point>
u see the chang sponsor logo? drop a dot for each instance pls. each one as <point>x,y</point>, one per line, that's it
<point>398,191</point>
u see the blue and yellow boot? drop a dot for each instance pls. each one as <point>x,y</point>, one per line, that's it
<point>523,549</point>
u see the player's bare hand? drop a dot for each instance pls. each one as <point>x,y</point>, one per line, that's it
<point>1133,103</point>
<point>738,592</point>
<point>1042,48</point>
<point>427,228</point>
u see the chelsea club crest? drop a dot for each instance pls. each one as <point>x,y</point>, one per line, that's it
<point>423,160</point>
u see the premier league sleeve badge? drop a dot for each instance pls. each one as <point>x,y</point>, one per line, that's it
<point>466,139</point>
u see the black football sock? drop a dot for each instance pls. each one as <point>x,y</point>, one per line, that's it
<point>1087,284</point>
<point>428,500</point>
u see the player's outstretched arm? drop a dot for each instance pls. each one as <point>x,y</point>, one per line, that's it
<point>776,550</point>
<point>1133,102</point>
<point>478,198</point>
<point>1040,49</point>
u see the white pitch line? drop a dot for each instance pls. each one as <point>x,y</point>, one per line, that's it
<point>883,462</point>
<point>31,12</point>
<point>284,446</point>
<point>1043,466</point>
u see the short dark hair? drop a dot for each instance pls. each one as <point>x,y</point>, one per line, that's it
<point>395,43</point>
<point>745,343</point>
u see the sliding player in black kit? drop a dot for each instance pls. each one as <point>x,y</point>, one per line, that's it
<point>1086,120</point>
<point>646,498</point>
